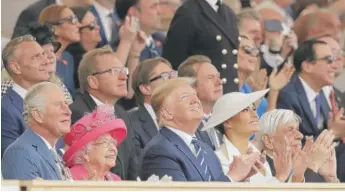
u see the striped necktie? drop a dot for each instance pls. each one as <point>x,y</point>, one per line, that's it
<point>200,159</point>
<point>64,172</point>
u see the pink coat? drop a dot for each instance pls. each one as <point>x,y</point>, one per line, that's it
<point>79,173</point>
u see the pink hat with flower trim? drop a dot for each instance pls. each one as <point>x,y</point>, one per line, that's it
<point>101,121</point>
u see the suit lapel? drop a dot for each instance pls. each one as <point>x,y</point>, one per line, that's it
<point>89,101</point>
<point>203,136</point>
<point>42,149</point>
<point>181,145</point>
<point>223,25</point>
<point>302,96</point>
<point>147,122</point>
<point>16,99</point>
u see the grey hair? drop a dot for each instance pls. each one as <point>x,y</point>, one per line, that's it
<point>78,157</point>
<point>34,99</point>
<point>271,120</point>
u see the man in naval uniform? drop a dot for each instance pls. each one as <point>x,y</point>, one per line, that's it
<point>205,27</point>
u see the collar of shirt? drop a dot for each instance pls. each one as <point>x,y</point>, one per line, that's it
<point>183,135</point>
<point>311,94</point>
<point>149,109</point>
<point>149,40</point>
<point>327,91</point>
<point>102,11</point>
<point>213,4</point>
<point>98,102</point>
<point>104,18</point>
<point>18,89</point>
<point>46,142</point>
<point>58,2</point>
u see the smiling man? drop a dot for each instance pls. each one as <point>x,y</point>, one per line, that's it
<point>316,67</point>
<point>33,154</point>
<point>102,79</point>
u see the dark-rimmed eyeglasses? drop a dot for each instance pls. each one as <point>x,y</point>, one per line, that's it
<point>114,71</point>
<point>251,51</point>
<point>329,59</point>
<point>72,19</point>
<point>90,26</point>
<point>165,76</point>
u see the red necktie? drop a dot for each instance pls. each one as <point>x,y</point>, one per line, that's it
<point>333,102</point>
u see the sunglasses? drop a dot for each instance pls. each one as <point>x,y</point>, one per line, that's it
<point>329,59</point>
<point>90,26</point>
<point>165,76</point>
<point>114,71</point>
<point>72,19</point>
<point>251,51</point>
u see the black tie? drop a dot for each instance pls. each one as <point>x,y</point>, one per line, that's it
<point>221,11</point>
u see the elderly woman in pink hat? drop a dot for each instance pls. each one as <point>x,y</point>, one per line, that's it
<point>93,142</point>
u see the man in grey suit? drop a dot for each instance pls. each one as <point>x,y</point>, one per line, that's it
<point>33,154</point>
<point>209,89</point>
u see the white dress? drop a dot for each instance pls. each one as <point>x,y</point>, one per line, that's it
<point>227,151</point>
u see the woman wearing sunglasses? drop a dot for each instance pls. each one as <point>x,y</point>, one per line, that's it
<point>89,37</point>
<point>66,31</point>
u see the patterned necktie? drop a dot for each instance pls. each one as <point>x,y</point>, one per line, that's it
<point>152,49</point>
<point>200,159</point>
<point>64,172</point>
<point>318,108</point>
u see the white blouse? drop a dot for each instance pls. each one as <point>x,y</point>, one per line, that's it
<point>225,154</point>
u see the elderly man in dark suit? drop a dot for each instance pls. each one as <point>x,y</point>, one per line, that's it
<point>27,65</point>
<point>33,155</point>
<point>102,79</point>
<point>147,77</point>
<point>315,66</point>
<point>175,151</point>
<point>209,89</point>
<point>205,27</point>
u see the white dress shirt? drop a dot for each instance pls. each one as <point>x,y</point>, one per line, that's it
<point>18,89</point>
<point>311,95</point>
<point>105,19</point>
<point>327,91</point>
<point>226,154</point>
<point>213,4</point>
<point>184,136</point>
<point>149,109</point>
<point>58,2</point>
<point>98,102</point>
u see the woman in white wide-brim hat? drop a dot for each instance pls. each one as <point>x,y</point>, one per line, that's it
<point>234,114</point>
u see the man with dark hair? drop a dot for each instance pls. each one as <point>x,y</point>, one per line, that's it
<point>315,66</point>
<point>148,20</point>
<point>205,27</point>
<point>146,78</point>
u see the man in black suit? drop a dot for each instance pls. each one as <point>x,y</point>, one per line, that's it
<point>102,79</point>
<point>146,77</point>
<point>32,12</point>
<point>205,27</point>
<point>209,89</point>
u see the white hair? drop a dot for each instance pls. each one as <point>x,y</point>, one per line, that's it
<point>271,120</point>
<point>34,99</point>
<point>79,156</point>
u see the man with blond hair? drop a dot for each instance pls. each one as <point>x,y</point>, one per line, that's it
<point>102,79</point>
<point>175,151</point>
<point>27,65</point>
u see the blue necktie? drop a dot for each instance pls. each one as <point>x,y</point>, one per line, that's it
<point>318,108</point>
<point>200,159</point>
<point>152,49</point>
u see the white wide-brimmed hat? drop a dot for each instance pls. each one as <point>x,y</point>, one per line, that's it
<point>231,104</point>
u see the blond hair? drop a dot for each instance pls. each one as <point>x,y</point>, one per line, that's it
<point>247,13</point>
<point>9,53</point>
<point>162,93</point>
<point>88,63</point>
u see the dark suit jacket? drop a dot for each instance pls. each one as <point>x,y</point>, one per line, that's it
<point>29,15</point>
<point>310,176</point>
<point>198,29</point>
<point>116,28</point>
<point>144,130</point>
<point>148,53</point>
<point>339,98</point>
<point>293,97</point>
<point>167,154</point>
<point>12,121</point>
<point>28,158</point>
<point>204,137</point>
<point>82,104</point>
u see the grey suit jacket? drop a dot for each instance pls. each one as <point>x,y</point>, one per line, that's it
<point>28,158</point>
